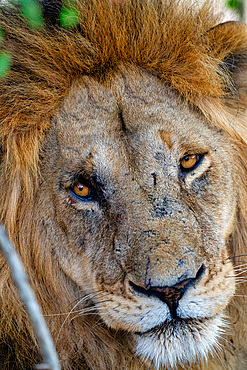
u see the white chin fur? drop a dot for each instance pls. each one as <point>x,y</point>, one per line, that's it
<point>182,343</point>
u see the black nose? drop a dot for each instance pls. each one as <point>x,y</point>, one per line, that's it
<point>170,295</point>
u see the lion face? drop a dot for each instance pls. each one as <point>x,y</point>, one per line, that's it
<point>137,190</point>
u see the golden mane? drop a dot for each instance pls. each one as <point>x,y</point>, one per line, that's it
<point>168,38</point>
<point>171,39</point>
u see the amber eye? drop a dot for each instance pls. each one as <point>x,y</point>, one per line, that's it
<point>81,190</point>
<point>190,161</point>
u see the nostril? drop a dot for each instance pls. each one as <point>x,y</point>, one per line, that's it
<point>200,272</point>
<point>170,294</point>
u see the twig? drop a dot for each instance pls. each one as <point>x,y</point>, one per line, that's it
<point>48,351</point>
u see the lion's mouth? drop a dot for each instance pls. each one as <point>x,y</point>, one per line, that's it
<point>177,326</point>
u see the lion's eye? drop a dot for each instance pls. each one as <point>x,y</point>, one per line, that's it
<point>81,190</point>
<point>190,161</point>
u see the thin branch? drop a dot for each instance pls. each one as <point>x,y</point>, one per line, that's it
<point>48,351</point>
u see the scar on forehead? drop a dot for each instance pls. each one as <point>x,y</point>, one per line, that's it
<point>166,137</point>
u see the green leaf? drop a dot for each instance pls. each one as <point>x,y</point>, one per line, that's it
<point>234,4</point>
<point>69,17</point>
<point>1,36</point>
<point>31,10</point>
<point>5,63</point>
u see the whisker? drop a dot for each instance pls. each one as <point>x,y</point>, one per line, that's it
<point>72,310</point>
<point>60,314</point>
<point>241,282</point>
<point>227,341</point>
<point>101,322</point>
<point>91,311</point>
<point>241,278</point>
<point>240,295</point>
<point>240,255</point>
<point>88,296</point>
<point>240,266</point>
<point>216,349</point>
<point>66,313</point>
<point>68,317</point>
<point>241,272</point>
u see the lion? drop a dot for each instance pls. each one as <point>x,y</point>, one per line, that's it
<point>123,185</point>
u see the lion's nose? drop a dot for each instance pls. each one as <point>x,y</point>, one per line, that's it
<point>170,294</point>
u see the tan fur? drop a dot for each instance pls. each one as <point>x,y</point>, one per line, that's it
<point>179,82</point>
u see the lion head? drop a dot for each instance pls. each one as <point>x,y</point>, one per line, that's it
<point>123,177</point>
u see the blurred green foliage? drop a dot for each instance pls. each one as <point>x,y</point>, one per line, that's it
<point>68,17</point>
<point>237,5</point>
<point>32,12</point>
<point>5,59</point>
<point>5,63</point>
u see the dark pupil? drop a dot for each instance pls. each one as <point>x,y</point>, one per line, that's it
<point>80,187</point>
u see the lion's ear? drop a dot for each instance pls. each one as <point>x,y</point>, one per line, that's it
<point>228,43</point>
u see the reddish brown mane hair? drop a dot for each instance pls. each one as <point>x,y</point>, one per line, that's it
<point>168,38</point>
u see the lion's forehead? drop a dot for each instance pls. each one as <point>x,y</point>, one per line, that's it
<point>133,106</point>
